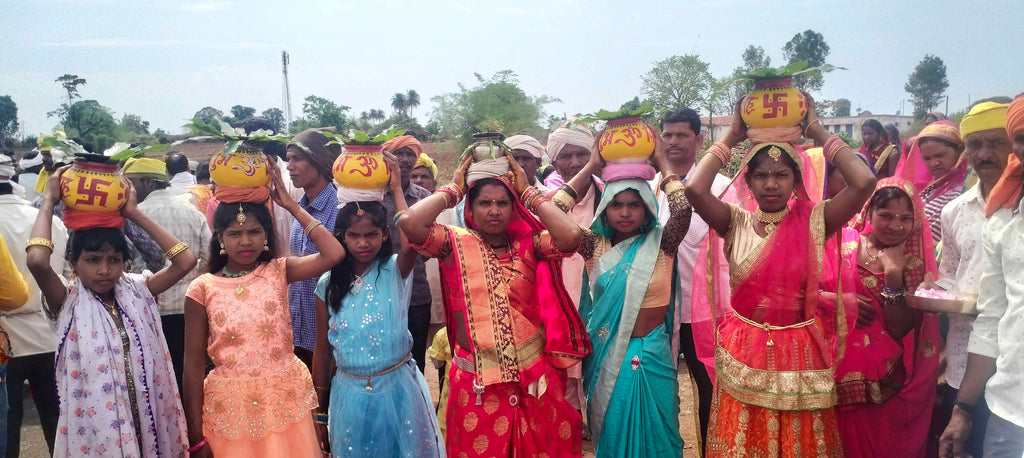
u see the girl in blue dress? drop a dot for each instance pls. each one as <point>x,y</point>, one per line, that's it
<point>379,402</point>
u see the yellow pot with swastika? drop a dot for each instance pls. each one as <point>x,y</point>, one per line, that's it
<point>245,168</point>
<point>774,103</point>
<point>361,167</point>
<point>93,186</point>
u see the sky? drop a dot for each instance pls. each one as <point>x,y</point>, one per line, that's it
<point>165,59</point>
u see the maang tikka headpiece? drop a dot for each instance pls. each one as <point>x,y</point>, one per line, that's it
<point>240,217</point>
<point>775,153</point>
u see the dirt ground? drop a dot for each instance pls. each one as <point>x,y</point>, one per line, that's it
<point>33,445</point>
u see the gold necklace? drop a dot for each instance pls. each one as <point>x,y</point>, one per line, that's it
<point>872,258</point>
<point>770,220</point>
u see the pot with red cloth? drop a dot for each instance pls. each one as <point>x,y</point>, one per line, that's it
<point>93,193</point>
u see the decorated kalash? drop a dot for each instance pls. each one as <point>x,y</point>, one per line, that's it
<point>360,172</point>
<point>93,190</point>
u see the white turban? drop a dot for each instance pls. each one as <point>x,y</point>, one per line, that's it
<point>6,168</point>
<point>569,134</point>
<point>27,163</point>
<point>526,143</point>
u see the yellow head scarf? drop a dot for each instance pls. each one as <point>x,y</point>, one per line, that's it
<point>144,167</point>
<point>984,116</point>
<point>426,161</point>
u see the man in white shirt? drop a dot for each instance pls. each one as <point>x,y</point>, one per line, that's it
<point>181,178</point>
<point>32,334</point>
<point>175,213</point>
<point>995,361</point>
<point>963,220</point>
<point>681,134</point>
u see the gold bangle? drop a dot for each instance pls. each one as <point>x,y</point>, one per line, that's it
<point>39,241</point>
<point>175,250</point>
<point>665,179</point>
<point>309,227</point>
<point>816,120</point>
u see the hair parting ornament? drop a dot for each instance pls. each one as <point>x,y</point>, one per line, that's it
<point>775,153</point>
<point>241,215</point>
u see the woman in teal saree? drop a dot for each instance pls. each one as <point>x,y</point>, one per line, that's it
<point>630,377</point>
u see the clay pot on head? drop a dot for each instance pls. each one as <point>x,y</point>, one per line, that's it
<point>484,148</point>
<point>361,167</point>
<point>93,186</point>
<point>245,168</point>
<point>626,140</point>
<point>774,103</point>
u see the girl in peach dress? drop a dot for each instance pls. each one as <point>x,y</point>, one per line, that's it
<point>258,401</point>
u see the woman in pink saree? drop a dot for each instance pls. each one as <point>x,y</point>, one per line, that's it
<point>776,345</point>
<point>886,380</point>
<point>938,168</point>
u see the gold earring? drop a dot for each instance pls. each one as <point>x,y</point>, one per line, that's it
<point>222,252</point>
<point>265,246</point>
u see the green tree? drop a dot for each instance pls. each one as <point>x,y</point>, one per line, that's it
<point>8,120</point>
<point>70,84</point>
<point>241,112</point>
<point>494,103</point>
<point>412,100</point>
<point>276,117</point>
<point>321,112</point>
<point>841,107</point>
<point>398,102</point>
<point>679,81</point>
<point>134,124</point>
<point>808,46</point>
<point>91,125</point>
<point>927,84</point>
<point>377,115</point>
<point>754,57</point>
<point>208,113</point>
<point>716,100</point>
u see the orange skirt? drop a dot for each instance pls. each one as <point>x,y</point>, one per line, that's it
<point>740,429</point>
<point>297,441</point>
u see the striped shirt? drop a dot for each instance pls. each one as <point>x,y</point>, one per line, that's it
<point>176,214</point>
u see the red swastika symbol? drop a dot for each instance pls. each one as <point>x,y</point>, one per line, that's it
<point>92,193</point>
<point>774,105</point>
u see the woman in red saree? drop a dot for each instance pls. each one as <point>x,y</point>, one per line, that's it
<point>775,344</point>
<point>512,326</point>
<point>886,380</point>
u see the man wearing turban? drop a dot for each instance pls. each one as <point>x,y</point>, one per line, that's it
<point>994,373</point>
<point>987,148</point>
<point>424,173</point>
<point>570,148</point>
<point>176,213</point>
<point>309,166</point>
<point>408,151</point>
<point>529,153</point>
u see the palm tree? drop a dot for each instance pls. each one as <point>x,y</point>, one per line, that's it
<point>398,102</point>
<point>377,115</point>
<point>364,116</point>
<point>412,99</point>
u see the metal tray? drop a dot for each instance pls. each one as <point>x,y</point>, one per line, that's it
<point>968,305</point>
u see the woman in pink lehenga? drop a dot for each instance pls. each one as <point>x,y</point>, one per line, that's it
<point>886,381</point>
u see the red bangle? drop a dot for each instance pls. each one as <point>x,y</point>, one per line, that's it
<point>198,446</point>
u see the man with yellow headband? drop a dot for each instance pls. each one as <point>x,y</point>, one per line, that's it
<point>179,216</point>
<point>963,219</point>
<point>424,173</point>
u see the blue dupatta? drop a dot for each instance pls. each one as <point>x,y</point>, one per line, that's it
<point>611,297</point>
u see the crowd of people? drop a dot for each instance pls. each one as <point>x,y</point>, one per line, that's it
<point>556,303</point>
